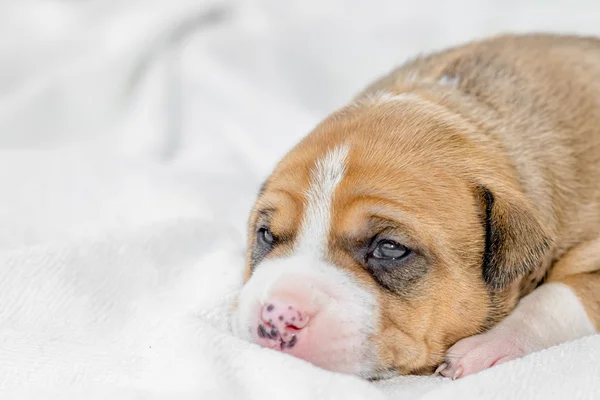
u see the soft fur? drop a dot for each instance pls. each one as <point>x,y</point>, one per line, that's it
<point>485,161</point>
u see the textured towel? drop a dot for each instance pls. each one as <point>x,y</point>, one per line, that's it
<point>133,137</point>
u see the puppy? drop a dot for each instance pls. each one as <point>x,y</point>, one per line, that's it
<point>448,217</point>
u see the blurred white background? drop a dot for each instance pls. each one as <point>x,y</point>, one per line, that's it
<point>135,133</point>
<point>221,88</point>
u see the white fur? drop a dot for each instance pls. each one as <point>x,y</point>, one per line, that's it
<point>411,77</point>
<point>384,97</point>
<point>547,317</point>
<point>447,80</point>
<point>550,315</point>
<point>343,302</point>
<point>325,177</point>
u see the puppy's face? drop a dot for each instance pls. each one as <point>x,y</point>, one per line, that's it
<point>366,245</point>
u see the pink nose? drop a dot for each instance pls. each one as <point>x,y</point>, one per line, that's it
<point>281,324</point>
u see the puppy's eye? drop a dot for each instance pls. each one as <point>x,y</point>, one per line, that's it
<point>389,250</point>
<point>265,236</point>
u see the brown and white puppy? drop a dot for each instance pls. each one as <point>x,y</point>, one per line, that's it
<point>448,217</point>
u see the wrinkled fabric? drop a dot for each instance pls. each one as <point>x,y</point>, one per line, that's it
<point>133,137</point>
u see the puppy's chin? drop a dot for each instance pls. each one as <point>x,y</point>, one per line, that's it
<point>310,310</point>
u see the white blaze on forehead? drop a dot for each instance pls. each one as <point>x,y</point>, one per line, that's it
<point>317,284</point>
<point>327,173</point>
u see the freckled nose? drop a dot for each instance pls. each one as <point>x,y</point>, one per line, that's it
<point>284,315</point>
<point>282,323</point>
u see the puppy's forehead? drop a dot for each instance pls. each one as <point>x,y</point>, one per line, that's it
<point>325,176</point>
<point>304,186</point>
<point>365,152</point>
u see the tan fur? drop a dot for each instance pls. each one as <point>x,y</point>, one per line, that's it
<point>580,269</point>
<point>522,122</point>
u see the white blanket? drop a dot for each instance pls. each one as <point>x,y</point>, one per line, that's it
<point>133,137</point>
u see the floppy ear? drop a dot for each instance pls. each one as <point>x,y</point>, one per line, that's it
<point>515,242</point>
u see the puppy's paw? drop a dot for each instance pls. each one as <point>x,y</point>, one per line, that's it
<point>550,315</point>
<point>479,352</point>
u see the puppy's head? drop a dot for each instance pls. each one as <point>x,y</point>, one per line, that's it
<point>382,238</point>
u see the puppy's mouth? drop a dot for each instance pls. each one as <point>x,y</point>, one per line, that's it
<point>312,310</point>
<point>337,353</point>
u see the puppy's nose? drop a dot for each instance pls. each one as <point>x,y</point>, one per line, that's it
<point>279,313</point>
<point>281,323</point>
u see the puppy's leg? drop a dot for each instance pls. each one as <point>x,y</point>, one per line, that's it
<point>579,269</point>
<point>566,307</point>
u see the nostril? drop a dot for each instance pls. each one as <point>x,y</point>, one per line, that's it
<point>296,322</point>
<point>281,322</point>
<point>261,331</point>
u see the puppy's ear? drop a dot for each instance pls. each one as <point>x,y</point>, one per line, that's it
<point>515,242</point>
